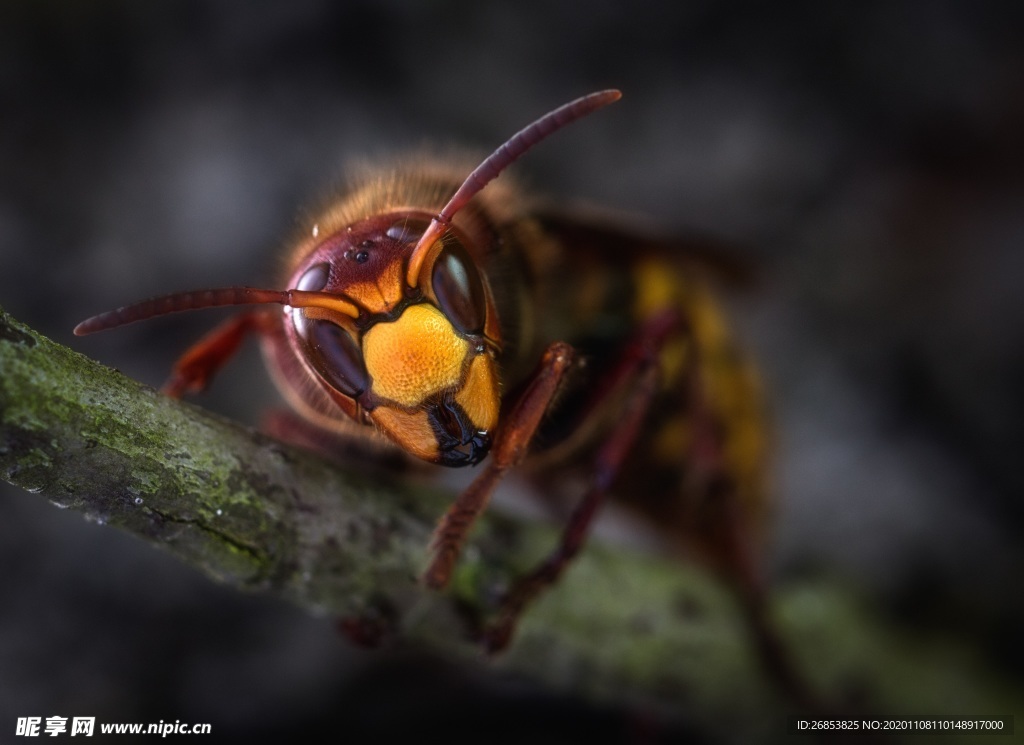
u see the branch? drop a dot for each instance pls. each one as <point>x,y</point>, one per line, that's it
<point>264,517</point>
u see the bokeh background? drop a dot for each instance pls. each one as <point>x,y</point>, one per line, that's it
<point>866,161</point>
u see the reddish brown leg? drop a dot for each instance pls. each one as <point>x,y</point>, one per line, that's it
<point>510,447</point>
<point>193,370</point>
<point>607,464</point>
<point>639,368</point>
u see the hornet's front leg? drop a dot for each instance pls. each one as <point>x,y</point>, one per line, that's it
<point>638,369</point>
<point>193,370</point>
<point>510,447</point>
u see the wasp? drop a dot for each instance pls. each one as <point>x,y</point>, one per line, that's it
<point>464,323</point>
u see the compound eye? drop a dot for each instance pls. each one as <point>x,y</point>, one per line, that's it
<point>459,290</point>
<point>336,356</point>
<point>408,229</point>
<point>315,278</point>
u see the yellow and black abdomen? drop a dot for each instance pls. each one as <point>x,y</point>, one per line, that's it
<point>699,459</point>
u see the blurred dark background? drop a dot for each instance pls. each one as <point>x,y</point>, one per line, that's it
<point>867,162</point>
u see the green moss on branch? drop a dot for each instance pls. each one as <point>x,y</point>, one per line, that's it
<point>264,517</point>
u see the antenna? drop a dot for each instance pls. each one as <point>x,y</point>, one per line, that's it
<point>497,162</point>
<point>197,299</point>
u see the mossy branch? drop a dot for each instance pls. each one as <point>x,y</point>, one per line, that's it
<point>264,517</point>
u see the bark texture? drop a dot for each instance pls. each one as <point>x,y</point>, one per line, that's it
<point>264,517</point>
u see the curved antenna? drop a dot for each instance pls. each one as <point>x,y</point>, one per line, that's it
<point>197,299</point>
<point>497,162</point>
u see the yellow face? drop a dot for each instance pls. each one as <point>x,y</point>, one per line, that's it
<point>437,395</point>
<point>419,363</point>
